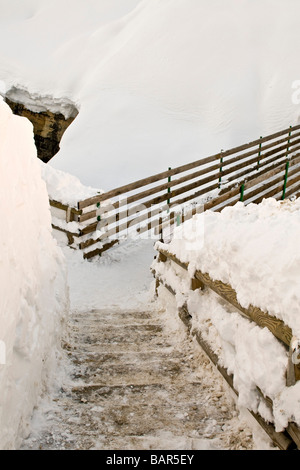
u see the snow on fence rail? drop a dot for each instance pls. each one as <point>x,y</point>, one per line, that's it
<point>66,219</point>
<point>290,437</point>
<point>266,167</point>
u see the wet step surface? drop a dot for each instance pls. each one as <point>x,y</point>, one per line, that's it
<point>133,386</point>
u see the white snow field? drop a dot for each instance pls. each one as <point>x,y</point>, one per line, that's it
<point>157,83</point>
<point>33,277</point>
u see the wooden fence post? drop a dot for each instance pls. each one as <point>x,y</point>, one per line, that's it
<point>160,221</point>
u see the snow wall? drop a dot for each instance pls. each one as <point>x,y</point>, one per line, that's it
<point>34,294</point>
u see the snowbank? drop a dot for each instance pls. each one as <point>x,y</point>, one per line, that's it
<point>64,187</point>
<point>253,248</point>
<point>157,83</point>
<point>34,296</point>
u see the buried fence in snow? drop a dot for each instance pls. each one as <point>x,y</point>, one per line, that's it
<point>289,438</point>
<point>267,167</point>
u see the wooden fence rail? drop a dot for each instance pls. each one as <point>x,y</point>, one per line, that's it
<point>291,436</point>
<point>248,172</point>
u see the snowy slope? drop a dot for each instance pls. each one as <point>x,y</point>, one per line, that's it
<point>34,296</point>
<point>157,83</point>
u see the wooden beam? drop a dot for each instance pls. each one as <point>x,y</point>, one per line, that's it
<point>263,319</point>
<point>196,284</point>
<point>263,155</point>
<point>294,433</point>
<point>294,191</point>
<point>64,207</point>
<point>264,172</point>
<point>280,439</point>
<point>154,178</point>
<point>145,181</point>
<point>99,251</point>
<point>235,192</point>
<point>283,440</point>
<point>175,182</point>
<point>67,232</point>
<point>277,182</point>
<point>88,215</point>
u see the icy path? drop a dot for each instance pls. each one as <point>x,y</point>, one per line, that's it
<point>131,378</point>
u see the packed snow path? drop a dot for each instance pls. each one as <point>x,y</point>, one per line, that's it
<point>131,378</point>
<point>135,388</point>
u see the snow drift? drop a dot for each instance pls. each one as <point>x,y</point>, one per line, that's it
<point>254,249</point>
<point>158,83</point>
<point>34,297</point>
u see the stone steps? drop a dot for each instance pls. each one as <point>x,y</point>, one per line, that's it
<point>132,387</point>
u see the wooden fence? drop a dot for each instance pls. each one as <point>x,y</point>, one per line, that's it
<point>267,167</point>
<point>288,439</point>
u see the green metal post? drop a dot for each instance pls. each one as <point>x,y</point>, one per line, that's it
<point>242,190</point>
<point>99,216</point>
<point>221,161</point>
<point>285,179</point>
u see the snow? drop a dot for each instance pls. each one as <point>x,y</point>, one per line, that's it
<point>65,187</point>
<point>121,281</point>
<point>34,296</point>
<point>104,281</point>
<point>157,84</point>
<point>246,247</point>
<point>252,248</point>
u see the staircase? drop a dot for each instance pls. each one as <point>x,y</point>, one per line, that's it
<point>134,386</point>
